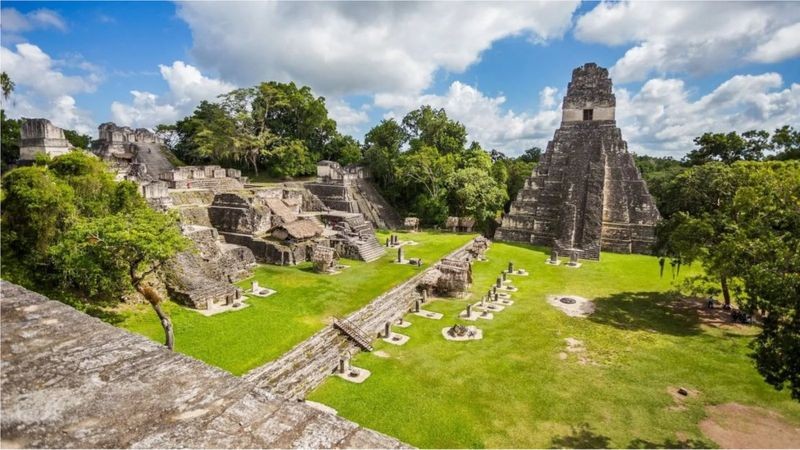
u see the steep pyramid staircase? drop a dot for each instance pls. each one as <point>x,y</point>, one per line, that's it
<point>361,234</point>
<point>353,332</point>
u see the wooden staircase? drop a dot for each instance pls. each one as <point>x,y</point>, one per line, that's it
<point>353,332</point>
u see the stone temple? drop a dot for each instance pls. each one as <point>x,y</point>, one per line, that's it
<point>586,194</point>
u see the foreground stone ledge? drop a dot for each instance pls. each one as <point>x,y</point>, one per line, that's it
<point>69,380</point>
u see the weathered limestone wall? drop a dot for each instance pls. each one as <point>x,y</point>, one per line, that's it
<point>41,136</point>
<point>134,154</point>
<point>586,194</point>
<point>70,380</point>
<point>304,367</point>
<point>202,279</point>
<point>349,189</point>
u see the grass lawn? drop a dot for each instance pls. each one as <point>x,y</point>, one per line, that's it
<point>513,389</point>
<point>238,341</point>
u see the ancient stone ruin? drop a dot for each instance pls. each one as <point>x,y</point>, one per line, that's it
<point>324,259</point>
<point>72,381</point>
<point>460,224</point>
<point>350,189</point>
<point>586,194</point>
<point>477,249</point>
<point>214,178</point>
<point>39,136</point>
<point>450,278</point>
<point>411,224</point>
<point>134,154</point>
<point>201,278</point>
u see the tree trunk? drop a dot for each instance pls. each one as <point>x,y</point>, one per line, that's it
<point>255,164</point>
<point>726,294</point>
<point>166,323</point>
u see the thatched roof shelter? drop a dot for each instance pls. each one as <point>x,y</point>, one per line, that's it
<point>280,210</point>
<point>298,230</point>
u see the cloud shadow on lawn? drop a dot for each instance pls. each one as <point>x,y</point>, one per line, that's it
<point>653,311</point>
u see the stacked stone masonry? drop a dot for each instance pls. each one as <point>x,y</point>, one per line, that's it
<point>306,366</point>
<point>586,194</point>
<point>70,380</point>
<point>39,136</point>
<point>349,189</point>
<point>134,154</point>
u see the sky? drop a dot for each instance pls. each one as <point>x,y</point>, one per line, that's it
<point>679,68</point>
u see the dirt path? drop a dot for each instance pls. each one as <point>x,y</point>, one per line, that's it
<point>737,426</point>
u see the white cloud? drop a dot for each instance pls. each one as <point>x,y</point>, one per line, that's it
<point>188,85</point>
<point>30,67</point>
<point>662,119</point>
<point>44,90</point>
<point>484,117</point>
<point>187,88</point>
<point>14,21</point>
<point>145,111</point>
<point>784,44</point>
<point>694,37</point>
<point>348,119</point>
<point>342,48</point>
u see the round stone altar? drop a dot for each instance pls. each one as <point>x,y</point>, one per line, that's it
<point>572,305</point>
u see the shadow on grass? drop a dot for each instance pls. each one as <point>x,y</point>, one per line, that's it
<point>651,311</point>
<point>105,314</point>
<point>668,443</point>
<point>582,436</point>
<point>539,248</point>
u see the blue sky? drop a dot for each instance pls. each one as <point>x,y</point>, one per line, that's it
<point>679,69</point>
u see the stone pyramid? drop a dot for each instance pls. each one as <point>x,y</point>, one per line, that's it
<point>586,193</point>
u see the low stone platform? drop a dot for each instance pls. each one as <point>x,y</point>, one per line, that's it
<point>488,306</point>
<point>429,314</point>
<point>475,315</point>
<point>69,380</point>
<point>219,309</point>
<point>396,339</point>
<point>572,305</point>
<point>355,375</point>
<point>476,334</point>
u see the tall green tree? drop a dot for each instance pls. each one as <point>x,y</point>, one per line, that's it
<point>472,193</point>
<point>10,134</point>
<point>429,127</point>
<point>742,222</point>
<point>786,143</point>
<point>728,148</point>
<point>6,85</point>
<point>78,140</point>
<point>37,207</point>
<point>344,149</point>
<point>115,253</point>
<point>765,249</point>
<point>382,147</point>
<point>66,223</point>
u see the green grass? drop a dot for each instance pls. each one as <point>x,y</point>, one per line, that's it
<point>238,341</point>
<point>511,389</point>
